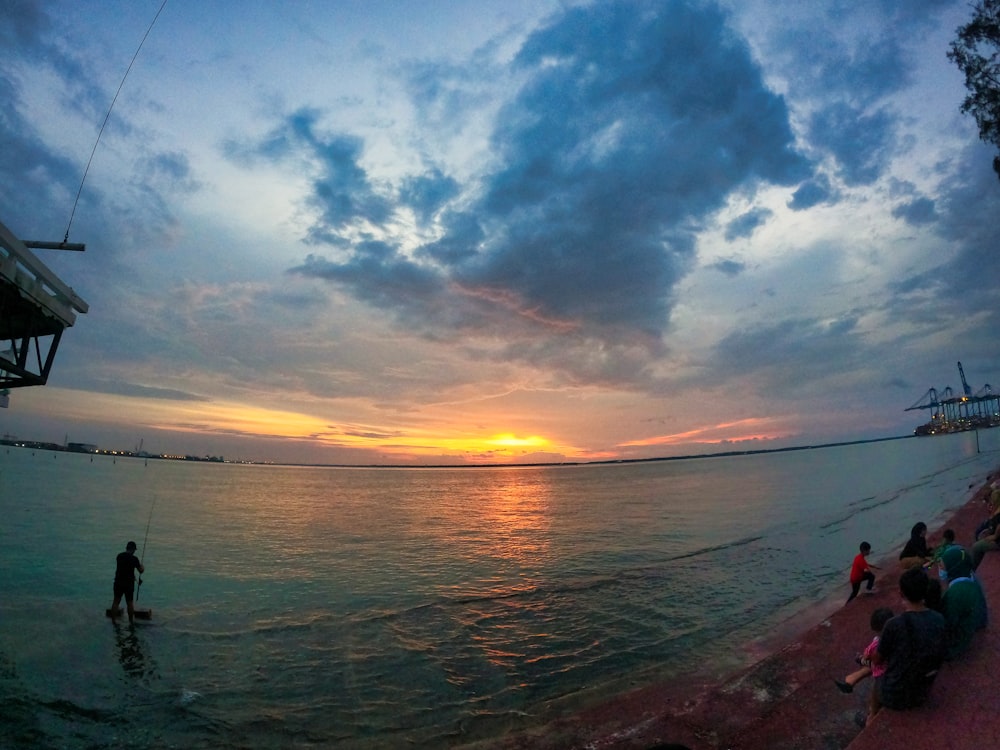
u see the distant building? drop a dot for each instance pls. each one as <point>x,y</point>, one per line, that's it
<point>82,447</point>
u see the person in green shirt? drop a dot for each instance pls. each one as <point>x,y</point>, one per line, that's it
<point>964,604</point>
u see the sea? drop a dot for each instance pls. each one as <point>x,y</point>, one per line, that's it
<point>315,607</point>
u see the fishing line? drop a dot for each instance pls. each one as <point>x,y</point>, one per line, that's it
<point>148,521</point>
<point>144,540</point>
<point>106,118</point>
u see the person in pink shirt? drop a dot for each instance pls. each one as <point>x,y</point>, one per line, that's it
<point>879,618</point>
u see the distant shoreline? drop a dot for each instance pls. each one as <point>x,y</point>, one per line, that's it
<point>95,451</point>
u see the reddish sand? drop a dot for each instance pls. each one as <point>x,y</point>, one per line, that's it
<point>787,699</point>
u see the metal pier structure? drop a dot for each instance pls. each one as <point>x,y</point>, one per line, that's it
<point>36,306</point>
<point>951,413</point>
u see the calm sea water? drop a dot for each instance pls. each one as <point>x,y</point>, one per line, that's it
<point>361,608</point>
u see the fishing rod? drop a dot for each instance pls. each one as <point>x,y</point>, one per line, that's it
<point>144,540</point>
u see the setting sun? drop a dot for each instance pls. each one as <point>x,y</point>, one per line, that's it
<point>508,440</point>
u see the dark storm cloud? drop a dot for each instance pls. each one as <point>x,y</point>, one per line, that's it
<point>25,30</point>
<point>634,124</point>
<point>380,276</point>
<point>918,282</point>
<point>31,170</point>
<point>917,211</point>
<point>39,182</point>
<point>961,291</point>
<point>811,193</point>
<point>22,23</point>
<point>963,286</point>
<point>866,72</point>
<point>744,226</point>
<point>794,354</point>
<point>426,194</point>
<point>139,391</point>
<point>173,168</point>
<point>342,192</point>
<point>968,211</point>
<point>847,80</point>
<point>445,93</point>
<point>918,12</point>
<point>862,142</point>
<point>465,234</point>
<point>731,268</point>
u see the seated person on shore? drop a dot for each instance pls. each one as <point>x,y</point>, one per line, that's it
<point>993,503</point>
<point>986,539</point>
<point>934,598</point>
<point>912,648</point>
<point>964,602</point>
<point>879,618</point>
<point>915,552</point>
<point>861,571</point>
<point>947,540</point>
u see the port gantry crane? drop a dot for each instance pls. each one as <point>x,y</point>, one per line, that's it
<point>965,386</point>
<point>950,413</point>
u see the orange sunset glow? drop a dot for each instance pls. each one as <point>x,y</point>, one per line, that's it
<point>727,432</point>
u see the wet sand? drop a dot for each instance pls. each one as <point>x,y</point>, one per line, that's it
<point>786,699</point>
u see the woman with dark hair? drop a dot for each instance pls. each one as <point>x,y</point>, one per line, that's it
<point>915,554</point>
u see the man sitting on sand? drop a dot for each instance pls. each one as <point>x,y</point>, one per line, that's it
<point>912,648</point>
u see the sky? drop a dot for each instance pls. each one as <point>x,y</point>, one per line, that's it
<point>474,232</point>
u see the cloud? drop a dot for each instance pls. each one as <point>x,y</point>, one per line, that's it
<point>31,167</point>
<point>843,64</point>
<point>342,192</point>
<point>917,211</point>
<point>381,276</point>
<point>535,221</point>
<point>812,193</point>
<point>23,26</point>
<point>731,268</point>
<point>968,211</point>
<point>142,391</point>
<point>862,142</point>
<point>632,126</point>
<point>744,226</point>
<point>173,169</point>
<point>792,355</point>
<point>428,193</point>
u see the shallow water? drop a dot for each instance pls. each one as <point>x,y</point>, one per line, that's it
<point>309,607</point>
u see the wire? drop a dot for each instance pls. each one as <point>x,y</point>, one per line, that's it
<point>106,118</point>
<point>148,521</point>
<point>144,540</point>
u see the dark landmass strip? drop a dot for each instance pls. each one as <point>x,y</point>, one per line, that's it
<point>94,450</point>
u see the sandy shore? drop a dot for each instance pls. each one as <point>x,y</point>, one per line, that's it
<point>786,700</point>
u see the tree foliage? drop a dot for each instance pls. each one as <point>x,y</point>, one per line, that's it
<point>976,51</point>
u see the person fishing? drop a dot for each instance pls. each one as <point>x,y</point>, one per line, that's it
<point>127,564</point>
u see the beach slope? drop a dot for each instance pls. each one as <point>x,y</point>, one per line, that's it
<point>787,700</point>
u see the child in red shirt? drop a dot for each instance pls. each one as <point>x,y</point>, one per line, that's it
<point>861,571</point>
